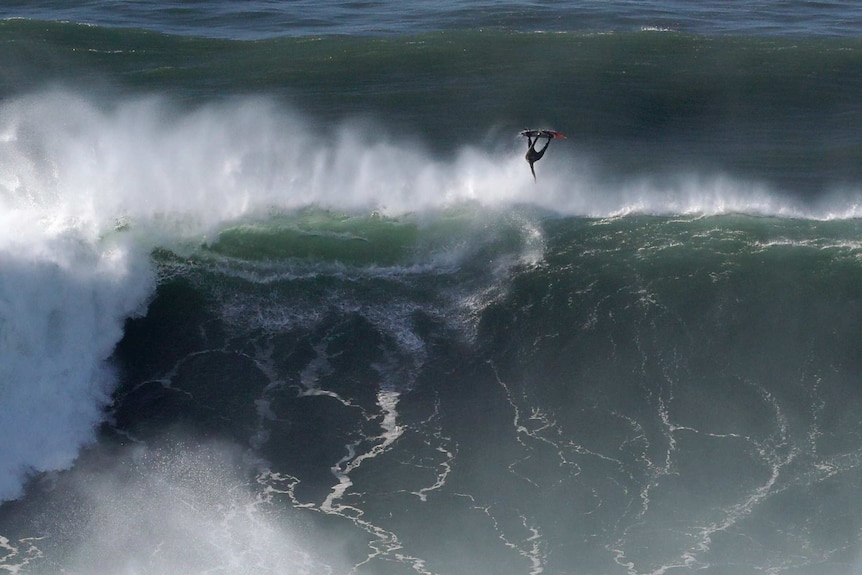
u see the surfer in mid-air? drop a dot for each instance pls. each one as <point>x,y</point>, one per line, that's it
<point>534,155</point>
<point>533,137</point>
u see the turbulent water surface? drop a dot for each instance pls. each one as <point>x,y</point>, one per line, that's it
<point>279,294</point>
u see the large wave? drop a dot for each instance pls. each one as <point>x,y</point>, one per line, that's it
<point>88,188</point>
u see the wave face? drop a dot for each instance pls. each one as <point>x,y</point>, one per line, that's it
<point>477,389</point>
<point>296,304</point>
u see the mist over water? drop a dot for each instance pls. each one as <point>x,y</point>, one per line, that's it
<point>179,507</point>
<point>89,163</point>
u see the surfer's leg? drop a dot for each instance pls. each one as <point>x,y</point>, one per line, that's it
<point>547,143</point>
<point>535,156</point>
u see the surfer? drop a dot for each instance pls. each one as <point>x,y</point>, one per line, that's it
<point>534,155</point>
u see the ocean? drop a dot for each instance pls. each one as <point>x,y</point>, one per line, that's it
<point>279,293</point>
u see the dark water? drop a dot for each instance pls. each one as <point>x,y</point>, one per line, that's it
<point>278,293</point>
<point>258,19</point>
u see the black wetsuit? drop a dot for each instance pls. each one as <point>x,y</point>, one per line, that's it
<point>534,155</point>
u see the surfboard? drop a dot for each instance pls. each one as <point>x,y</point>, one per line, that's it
<point>542,134</point>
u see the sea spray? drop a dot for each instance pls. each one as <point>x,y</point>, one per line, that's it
<point>182,507</point>
<point>188,170</point>
<point>68,281</point>
<point>65,291</point>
